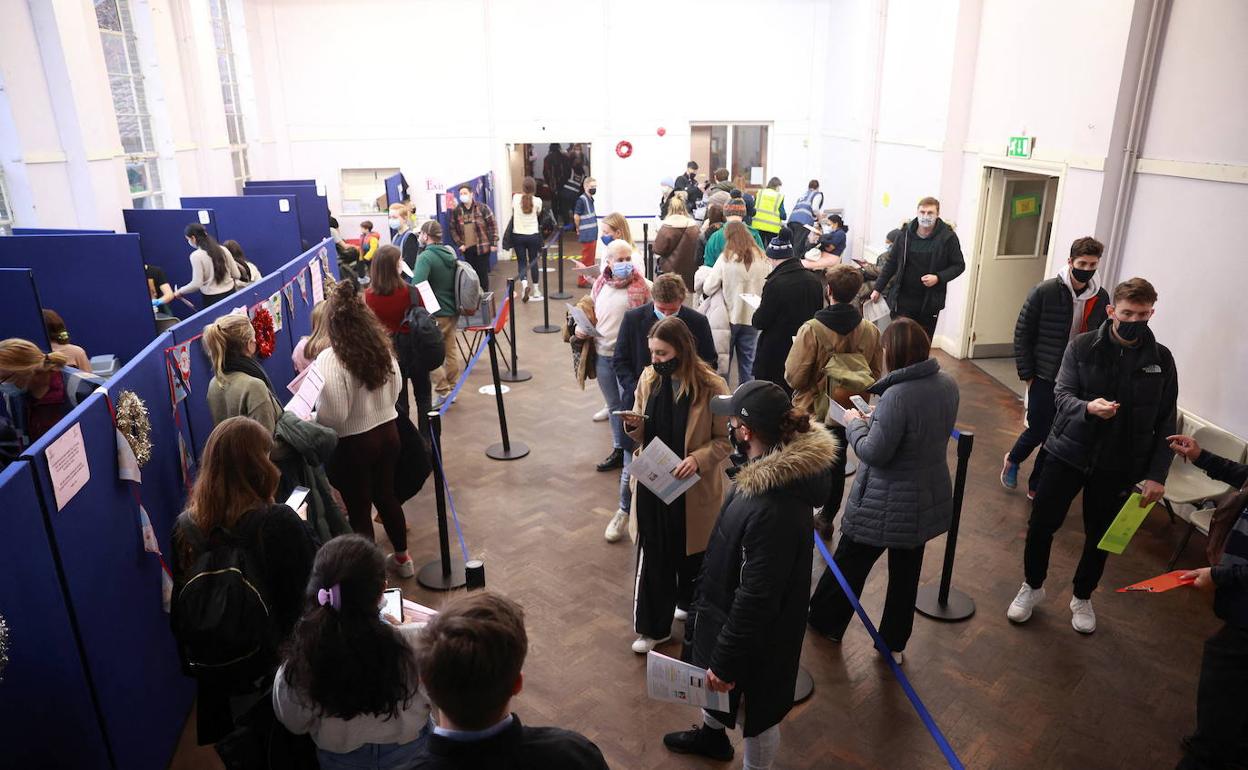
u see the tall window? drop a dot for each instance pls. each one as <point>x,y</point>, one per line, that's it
<point>134,122</point>
<point>229,92</point>
<point>741,148</point>
<point>6,214</point>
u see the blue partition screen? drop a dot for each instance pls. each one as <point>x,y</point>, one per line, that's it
<point>47,716</point>
<point>277,183</point>
<point>394,188</point>
<point>95,282</point>
<point>21,315</point>
<point>162,242</point>
<point>267,233</point>
<point>313,209</point>
<point>114,587</point>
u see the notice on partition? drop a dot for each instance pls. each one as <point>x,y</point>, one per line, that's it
<point>428,298</point>
<point>67,465</point>
<point>318,285</point>
<point>1124,525</point>
<point>671,680</point>
<point>653,469</point>
<point>309,390</point>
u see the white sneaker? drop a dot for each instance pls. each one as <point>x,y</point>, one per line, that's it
<point>615,530</point>
<point>645,644</point>
<point>401,568</point>
<point>536,296</point>
<point>680,615</point>
<point>1082,617</point>
<point>524,291</point>
<point>1024,603</point>
<point>602,415</point>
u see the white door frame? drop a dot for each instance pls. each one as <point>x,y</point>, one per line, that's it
<point>986,164</point>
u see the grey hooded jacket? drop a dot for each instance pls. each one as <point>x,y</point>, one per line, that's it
<point>902,496</point>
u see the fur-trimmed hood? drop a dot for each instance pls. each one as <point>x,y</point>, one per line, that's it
<point>802,459</point>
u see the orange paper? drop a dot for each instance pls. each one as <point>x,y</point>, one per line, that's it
<point>1161,583</point>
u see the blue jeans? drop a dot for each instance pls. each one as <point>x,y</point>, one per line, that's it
<point>609,384</point>
<point>375,756</point>
<point>744,343</point>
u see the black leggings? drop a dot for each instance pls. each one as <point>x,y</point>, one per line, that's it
<point>362,470</point>
<point>528,255</point>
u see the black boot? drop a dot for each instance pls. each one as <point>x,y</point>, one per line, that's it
<point>614,461</point>
<point>700,740</point>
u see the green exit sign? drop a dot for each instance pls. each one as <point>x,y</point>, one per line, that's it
<point>1020,147</point>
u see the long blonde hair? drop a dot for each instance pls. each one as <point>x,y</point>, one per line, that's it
<point>21,356</point>
<point>676,204</point>
<point>318,340</point>
<point>617,222</point>
<point>228,334</point>
<point>739,245</point>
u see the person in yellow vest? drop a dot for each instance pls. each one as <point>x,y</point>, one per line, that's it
<point>769,212</point>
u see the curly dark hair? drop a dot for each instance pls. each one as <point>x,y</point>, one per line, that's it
<point>793,422</point>
<point>349,661</point>
<point>357,337</point>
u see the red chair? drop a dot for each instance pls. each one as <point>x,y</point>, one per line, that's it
<point>473,335</point>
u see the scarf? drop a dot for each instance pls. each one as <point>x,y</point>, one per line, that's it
<point>668,419</point>
<point>247,365</point>
<point>638,291</point>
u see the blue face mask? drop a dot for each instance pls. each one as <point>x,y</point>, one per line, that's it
<point>659,314</point>
<point>606,239</point>
<point>622,270</point>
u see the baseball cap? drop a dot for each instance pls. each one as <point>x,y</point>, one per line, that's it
<point>758,403</point>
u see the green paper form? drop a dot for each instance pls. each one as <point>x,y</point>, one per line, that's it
<point>1124,525</point>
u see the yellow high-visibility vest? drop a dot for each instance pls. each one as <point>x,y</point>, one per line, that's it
<point>767,210</point>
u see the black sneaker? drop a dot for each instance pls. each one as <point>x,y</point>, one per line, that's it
<point>614,461</point>
<point>700,740</point>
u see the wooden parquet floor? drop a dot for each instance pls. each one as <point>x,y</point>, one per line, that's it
<point>1037,696</point>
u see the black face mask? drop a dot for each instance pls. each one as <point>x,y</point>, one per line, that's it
<point>666,368</point>
<point>1131,330</point>
<point>1082,276</point>
<point>592,190</point>
<point>742,447</point>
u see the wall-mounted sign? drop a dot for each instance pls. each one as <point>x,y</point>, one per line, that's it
<point>1025,206</point>
<point>1020,146</point>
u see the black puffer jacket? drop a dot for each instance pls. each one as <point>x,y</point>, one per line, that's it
<point>749,613</point>
<point>1043,328</point>
<point>1148,396</point>
<point>791,297</point>
<point>947,264</point>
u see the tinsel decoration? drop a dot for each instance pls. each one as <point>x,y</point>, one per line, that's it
<point>262,322</point>
<point>4,646</point>
<point>133,423</point>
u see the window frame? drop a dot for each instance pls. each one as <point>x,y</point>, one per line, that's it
<point>151,194</point>
<point>231,98</point>
<point>729,145</point>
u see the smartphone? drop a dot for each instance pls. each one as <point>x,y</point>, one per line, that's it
<point>392,603</point>
<point>297,498</point>
<point>625,412</point>
<point>861,404</point>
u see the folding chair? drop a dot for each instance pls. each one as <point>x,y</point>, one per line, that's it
<point>1188,485</point>
<point>474,334</point>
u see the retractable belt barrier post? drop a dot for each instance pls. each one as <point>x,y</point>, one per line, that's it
<point>445,573</point>
<point>948,603</point>
<point>505,450</point>
<point>515,373</point>
<point>546,327</point>
<point>645,250</point>
<point>561,294</point>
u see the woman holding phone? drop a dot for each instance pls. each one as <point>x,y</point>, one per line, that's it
<point>349,676</point>
<point>675,392</point>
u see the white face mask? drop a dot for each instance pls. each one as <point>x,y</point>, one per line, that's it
<point>465,199</point>
<point>927,221</point>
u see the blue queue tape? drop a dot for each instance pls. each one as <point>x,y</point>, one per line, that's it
<point>450,502</point>
<point>924,714</point>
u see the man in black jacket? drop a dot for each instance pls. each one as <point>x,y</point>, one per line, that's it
<point>1221,719</point>
<point>470,657</point>
<point>748,618</point>
<point>1116,392</point>
<point>1055,312</point>
<point>688,182</point>
<point>632,351</point>
<point>925,259</point>
<point>791,297</point>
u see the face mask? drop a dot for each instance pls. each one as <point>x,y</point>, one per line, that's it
<point>666,368</point>
<point>606,239</point>
<point>1082,276</point>
<point>1131,330</point>
<point>394,223</point>
<point>465,199</point>
<point>659,314</point>
<point>925,221</point>
<point>742,446</point>
<point>592,190</point>
<point>664,190</point>
<point>622,270</point>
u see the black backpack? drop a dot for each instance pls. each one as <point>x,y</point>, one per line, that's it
<point>220,616</point>
<point>419,342</point>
